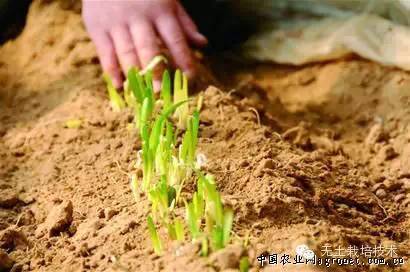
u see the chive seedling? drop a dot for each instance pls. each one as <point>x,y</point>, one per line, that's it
<point>73,123</point>
<point>181,94</point>
<point>218,220</point>
<point>156,242</point>
<point>166,167</point>
<point>244,264</point>
<point>189,142</point>
<point>117,103</point>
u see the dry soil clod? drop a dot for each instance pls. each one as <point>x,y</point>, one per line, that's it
<point>58,220</point>
<point>6,263</point>
<point>13,239</point>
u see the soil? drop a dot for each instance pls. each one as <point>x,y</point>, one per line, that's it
<point>312,155</point>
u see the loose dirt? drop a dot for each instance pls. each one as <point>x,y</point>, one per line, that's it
<point>316,155</point>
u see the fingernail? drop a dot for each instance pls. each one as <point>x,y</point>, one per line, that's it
<point>199,36</point>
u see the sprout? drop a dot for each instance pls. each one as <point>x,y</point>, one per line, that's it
<point>218,220</point>
<point>166,167</point>
<point>156,242</point>
<point>181,94</point>
<point>193,218</point>
<point>244,264</point>
<point>73,123</point>
<point>179,230</point>
<point>199,103</point>
<point>117,103</point>
<point>189,142</point>
<point>151,141</point>
<point>162,197</point>
<point>135,84</point>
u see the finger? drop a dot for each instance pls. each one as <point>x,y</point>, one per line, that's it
<point>174,38</point>
<point>190,28</point>
<point>108,58</point>
<point>124,48</point>
<point>145,40</point>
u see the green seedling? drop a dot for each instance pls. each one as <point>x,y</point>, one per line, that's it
<point>244,264</point>
<point>162,198</point>
<point>151,140</point>
<point>176,230</point>
<point>204,246</point>
<point>163,157</point>
<point>193,217</point>
<point>149,86</point>
<point>189,143</point>
<point>73,123</point>
<point>199,103</point>
<point>135,84</point>
<point>183,166</point>
<point>181,94</point>
<point>167,167</point>
<point>146,112</point>
<point>117,102</point>
<point>218,220</point>
<point>179,230</point>
<point>156,242</point>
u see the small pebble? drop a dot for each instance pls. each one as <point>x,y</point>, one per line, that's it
<point>399,197</point>
<point>381,193</point>
<point>376,187</point>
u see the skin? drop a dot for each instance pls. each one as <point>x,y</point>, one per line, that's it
<point>130,33</point>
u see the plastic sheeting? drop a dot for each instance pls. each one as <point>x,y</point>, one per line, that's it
<point>304,31</point>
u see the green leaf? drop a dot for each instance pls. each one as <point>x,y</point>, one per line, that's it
<point>146,111</point>
<point>179,230</point>
<point>171,231</point>
<point>171,109</point>
<point>185,147</point>
<point>244,264</point>
<point>166,89</point>
<point>117,102</point>
<point>156,133</point>
<point>156,242</point>
<point>134,84</point>
<point>169,135</point>
<point>199,102</point>
<point>217,238</point>
<point>159,125</point>
<point>183,112</point>
<point>195,129</point>
<point>192,220</point>
<point>149,88</point>
<point>199,204</point>
<point>141,86</point>
<point>227,227</point>
<point>172,193</point>
<point>204,247</point>
<point>129,96</point>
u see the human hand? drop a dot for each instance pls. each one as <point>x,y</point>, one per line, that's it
<point>132,32</point>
